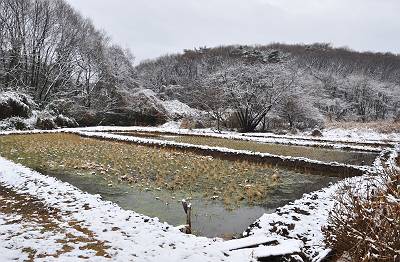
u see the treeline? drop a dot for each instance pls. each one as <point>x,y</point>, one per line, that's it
<point>297,86</point>
<point>52,53</point>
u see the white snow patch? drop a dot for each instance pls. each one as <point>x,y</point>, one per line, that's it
<point>177,109</point>
<point>359,135</point>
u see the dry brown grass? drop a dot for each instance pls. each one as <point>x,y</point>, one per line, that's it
<point>385,127</point>
<point>366,226</point>
<point>143,167</point>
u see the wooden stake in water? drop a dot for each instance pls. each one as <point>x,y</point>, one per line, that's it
<point>187,207</point>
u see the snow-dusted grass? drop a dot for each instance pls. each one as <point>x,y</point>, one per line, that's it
<point>365,222</point>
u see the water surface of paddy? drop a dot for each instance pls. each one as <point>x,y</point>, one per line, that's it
<point>316,153</point>
<point>210,218</point>
<point>152,181</point>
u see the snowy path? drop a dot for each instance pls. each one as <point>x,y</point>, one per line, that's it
<point>28,229</point>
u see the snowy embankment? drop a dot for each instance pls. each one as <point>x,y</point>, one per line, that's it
<point>304,218</point>
<point>341,142</point>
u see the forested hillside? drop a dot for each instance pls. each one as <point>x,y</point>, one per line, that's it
<point>296,85</point>
<point>54,65</point>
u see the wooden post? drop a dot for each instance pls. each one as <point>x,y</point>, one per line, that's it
<point>187,207</point>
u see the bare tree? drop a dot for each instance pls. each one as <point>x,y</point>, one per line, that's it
<point>213,100</point>
<point>48,50</point>
<point>253,90</point>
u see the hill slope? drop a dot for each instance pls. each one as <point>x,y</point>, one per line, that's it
<point>331,83</point>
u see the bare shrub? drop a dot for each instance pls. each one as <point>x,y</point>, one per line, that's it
<point>19,123</point>
<point>63,121</point>
<point>365,223</point>
<point>46,123</point>
<point>317,133</point>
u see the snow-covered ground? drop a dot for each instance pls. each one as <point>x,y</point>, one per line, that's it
<point>360,135</point>
<point>177,109</point>
<point>341,135</point>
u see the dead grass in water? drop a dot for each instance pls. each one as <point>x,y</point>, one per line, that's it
<point>317,153</point>
<point>144,167</point>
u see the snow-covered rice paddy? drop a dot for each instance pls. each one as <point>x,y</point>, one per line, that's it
<point>103,231</point>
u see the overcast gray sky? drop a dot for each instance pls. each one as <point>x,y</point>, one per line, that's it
<point>151,28</point>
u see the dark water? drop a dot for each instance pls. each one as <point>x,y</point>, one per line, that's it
<point>316,153</point>
<point>209,217</point>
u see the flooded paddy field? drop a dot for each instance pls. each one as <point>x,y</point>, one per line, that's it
<point>226,195</point>
<point>315,153</point>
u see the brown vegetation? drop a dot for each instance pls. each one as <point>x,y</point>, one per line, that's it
<point>365,223</point>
